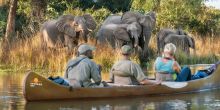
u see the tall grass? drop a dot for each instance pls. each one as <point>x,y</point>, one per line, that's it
<point>26,54</point>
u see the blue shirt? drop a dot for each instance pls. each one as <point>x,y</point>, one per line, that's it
<point>164,65</point>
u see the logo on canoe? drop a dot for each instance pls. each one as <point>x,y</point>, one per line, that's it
<point>35,82</point>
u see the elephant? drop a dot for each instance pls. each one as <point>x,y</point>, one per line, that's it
<point>66,31</point>
<point>163,33</point>
<point>112,19</point>
<point>118,35</point>
<point>147,22</point>
<point>183,42</point>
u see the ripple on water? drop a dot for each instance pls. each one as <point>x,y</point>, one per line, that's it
<point>9,97</point>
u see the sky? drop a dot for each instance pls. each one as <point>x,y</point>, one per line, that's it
<point>213,3</point>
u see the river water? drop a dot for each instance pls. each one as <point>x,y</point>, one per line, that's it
<point>11,98</point>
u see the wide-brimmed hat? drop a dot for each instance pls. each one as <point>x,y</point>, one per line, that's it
<point>126,49</point>
<point>85,47</point>
<point>169,50</point>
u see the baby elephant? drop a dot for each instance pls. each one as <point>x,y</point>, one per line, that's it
<point>183,42</point>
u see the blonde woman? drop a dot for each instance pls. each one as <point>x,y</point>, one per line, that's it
<point>168,69</point>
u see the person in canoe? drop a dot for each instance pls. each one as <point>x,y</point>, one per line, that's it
<point>125,72</point>
<point>82,69</point>
<point>205,72</point>
<point>168,69</point>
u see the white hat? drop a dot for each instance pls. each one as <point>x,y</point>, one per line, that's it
<point>85,47</point>
<point>169,49</point>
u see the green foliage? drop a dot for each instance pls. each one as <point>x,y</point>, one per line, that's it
<point>184,59</point>
<point>3,20</point>
<point>99,14</point>
<point>191,15</point>
<point>113,5</point>
<point>56,8</point>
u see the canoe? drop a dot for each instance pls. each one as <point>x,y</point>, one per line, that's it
<point>37,87</point>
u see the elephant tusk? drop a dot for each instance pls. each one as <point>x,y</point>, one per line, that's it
<point>89,29</point>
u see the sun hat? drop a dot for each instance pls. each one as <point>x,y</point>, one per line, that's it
<point>126,49</point>
<point>169,50</point>
<point>85,47</point>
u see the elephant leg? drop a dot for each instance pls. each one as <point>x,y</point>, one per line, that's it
<point>84,36</point>
<point>71,42</point>
<point>44,39</point>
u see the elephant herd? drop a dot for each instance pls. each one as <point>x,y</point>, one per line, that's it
<point>131,28</point>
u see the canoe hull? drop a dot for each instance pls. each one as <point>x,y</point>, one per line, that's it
<point>37,87</point>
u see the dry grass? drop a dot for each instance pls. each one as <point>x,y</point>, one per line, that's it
<point>27,54</point>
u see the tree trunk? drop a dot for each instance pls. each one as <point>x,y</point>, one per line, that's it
<point>10,30</point>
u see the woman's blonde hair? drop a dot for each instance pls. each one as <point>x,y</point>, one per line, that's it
<point>169,49</point>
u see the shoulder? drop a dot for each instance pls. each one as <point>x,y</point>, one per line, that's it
<point>89,61</point>
<point>158,58</point>
<point>176,64</point>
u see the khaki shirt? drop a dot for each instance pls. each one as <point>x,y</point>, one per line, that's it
<point>83,72</point>
<point>127,68</point>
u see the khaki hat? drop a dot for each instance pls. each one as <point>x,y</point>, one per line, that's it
<point>169,50</point>
<point>85,47</point>
<point>126,49</point>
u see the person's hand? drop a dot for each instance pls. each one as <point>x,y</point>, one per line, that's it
<point>158,82</point>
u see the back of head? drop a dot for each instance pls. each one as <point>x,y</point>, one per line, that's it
<point>85,47</point>
<point>169,50</point>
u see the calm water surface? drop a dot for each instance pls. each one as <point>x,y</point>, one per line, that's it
<point>11,98</point>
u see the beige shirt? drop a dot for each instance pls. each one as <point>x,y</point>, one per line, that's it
<point>83,72</point>
<point>126,68</point>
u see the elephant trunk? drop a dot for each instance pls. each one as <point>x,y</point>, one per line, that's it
<point>136,41</point>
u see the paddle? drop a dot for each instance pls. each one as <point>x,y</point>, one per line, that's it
<point>175,85</point>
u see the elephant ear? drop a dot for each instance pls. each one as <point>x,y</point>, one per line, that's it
<point>90,22</point>
<point>64,23</point>
<point>130,16</point>
<point>147,21</point>
<point>121,34</point>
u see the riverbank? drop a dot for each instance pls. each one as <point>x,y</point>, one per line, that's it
<point>27,55</point>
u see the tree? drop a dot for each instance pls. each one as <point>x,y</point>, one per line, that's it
<point>10,28</point>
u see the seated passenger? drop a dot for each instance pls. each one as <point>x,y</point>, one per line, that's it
<point>82,69</point>
<point>125,72</point>
<point>167,69</point>
<point>206,72</point>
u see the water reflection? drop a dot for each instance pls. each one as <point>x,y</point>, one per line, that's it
<point>10,91</point>
<point>205,100</point>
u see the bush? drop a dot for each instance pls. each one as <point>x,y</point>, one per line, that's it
<point>3,19</point>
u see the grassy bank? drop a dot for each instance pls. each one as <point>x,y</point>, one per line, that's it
<point>27,55</point>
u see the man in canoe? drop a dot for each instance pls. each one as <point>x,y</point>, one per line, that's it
<point>168,69</point>
<point>82,69</point>
<point>125,72</point>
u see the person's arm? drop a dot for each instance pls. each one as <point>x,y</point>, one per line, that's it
<point>176,67</point>
<point>150,82</point>
<point>111,77</point>
<point>67,70</point>
<point>95,73</point>
<point>139,75</point>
